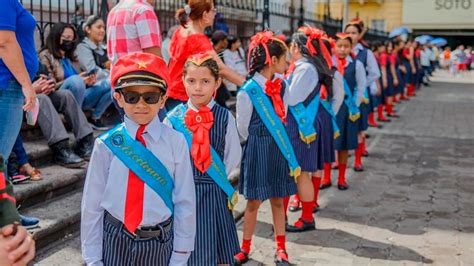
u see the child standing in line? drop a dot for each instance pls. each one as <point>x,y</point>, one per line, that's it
<point>139,203</point>
<point>212,137</point>
<point>268,161</point>
<point>367,58</point>
<point>353,72</point>
<point>308,121</point>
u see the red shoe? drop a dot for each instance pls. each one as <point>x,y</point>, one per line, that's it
<point>342,186</point>
<point>241,258</point>
<point>358,168</point>
<point>325,185</point>
<point>301,226</point>
<point>372,122</point>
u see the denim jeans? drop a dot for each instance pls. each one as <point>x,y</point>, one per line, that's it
<point>20,157</point>
<point>11,103</point>
<point>77,86</point>
<point>98,97</point>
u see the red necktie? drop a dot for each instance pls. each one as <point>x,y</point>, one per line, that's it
<point>200,123</point>
<point>272,89</point>
<point>135,191</point>
<point>341,65</point>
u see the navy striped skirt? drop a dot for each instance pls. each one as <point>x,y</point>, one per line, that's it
<point>326,136</point>
<point>216,234</point>
<point>264,172</point>
<point>121,248</point>
<point>364,116</point>
<point>307,155</point>
<point>348,129</point>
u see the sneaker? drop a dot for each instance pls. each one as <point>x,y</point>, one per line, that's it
<point>281,258</point>
<point>16,179</point>
<point>98,125</point>
<point>29,222</point>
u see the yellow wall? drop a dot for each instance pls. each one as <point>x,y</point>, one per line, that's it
<point>389,10</point>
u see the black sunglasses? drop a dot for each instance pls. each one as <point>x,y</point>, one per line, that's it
<point>132,97</point>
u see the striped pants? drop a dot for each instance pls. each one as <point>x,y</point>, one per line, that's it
<point>122,248</point>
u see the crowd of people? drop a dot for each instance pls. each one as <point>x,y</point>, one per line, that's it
<point>304,102</point>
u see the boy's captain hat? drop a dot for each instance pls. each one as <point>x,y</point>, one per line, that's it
<point>140,69</point>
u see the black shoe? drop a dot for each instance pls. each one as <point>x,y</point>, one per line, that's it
<point>365,154</point>
<point>85,146</point>
<point>281,260</point>
<point>64,156</point>
<point>316,209</point>
<point>359,168</point>
<point>324,186</point>
<point>241,258</point>
<point>98,125</point>
<point>367,136</point>
<point>342,186</point>
<point>301,227</point>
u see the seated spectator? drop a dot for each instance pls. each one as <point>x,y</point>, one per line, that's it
<point>234,58</point>
<point>19,168</point>
<point>92,56</point>
<point>59,57</point>
<point>52,102</point>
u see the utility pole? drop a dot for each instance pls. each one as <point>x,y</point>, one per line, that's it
<point>346,14</point>
<point>292,16</point>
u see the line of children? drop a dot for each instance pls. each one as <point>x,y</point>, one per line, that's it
<point>159,194</point>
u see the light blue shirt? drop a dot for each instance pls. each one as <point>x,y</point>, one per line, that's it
<point>373,71</point>
<point>232,150</point>
<point>244,105</point>
<point>106,187</point>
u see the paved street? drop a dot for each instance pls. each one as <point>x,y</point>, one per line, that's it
<point>413,205</point>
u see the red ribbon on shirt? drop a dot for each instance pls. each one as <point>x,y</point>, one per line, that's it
<point>200,123</point>
<point>341,65</point>
<point>273,89</point>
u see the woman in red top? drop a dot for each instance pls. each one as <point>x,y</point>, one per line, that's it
<point>188,40</point>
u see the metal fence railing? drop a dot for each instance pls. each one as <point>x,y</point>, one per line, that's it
<point>240,17</point>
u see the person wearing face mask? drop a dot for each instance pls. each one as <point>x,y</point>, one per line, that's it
<point>59,57</point>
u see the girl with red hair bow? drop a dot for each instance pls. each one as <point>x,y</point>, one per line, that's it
<point>266,166</point>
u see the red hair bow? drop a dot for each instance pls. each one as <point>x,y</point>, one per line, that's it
<point>261,38</point>
<point>311,34</point>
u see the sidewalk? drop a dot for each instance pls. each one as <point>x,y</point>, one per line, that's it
<point>413,205</point>
<point>466,77</point>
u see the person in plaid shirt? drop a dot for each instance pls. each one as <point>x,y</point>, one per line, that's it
<point>132,26</point>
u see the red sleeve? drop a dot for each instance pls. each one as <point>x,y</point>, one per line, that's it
<point>393,58</point>
<point>383,60</point>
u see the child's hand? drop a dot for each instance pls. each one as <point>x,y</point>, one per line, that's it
<point>19,245</point>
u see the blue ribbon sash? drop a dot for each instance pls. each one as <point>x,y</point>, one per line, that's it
<point>350,101</point>
<point>328,108</point>
<point>305,117</point>
<point>217,169</point>
<point>272,122</point>
<point>366,98</point>
<point>141,161</point>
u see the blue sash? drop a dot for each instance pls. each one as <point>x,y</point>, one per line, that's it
<point>366,97</point>
<point>217,169</point>
<point>328,108</point>
<point>350,102</point>
<point>305,117</point>
<point>141,161</point>
<point>272,122</point>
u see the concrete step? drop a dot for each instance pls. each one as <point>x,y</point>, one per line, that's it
<point>56,181</point>
<point>58,218</point>
<point>66,251</point>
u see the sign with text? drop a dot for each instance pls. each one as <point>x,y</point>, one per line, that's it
<point>441,14</point>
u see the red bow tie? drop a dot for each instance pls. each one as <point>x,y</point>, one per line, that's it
<point>273,89</point>
<point>200,123</point>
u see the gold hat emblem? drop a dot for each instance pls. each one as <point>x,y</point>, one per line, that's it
<point>142,65</point>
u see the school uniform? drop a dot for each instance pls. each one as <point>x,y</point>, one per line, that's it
<point>103,235</point>
<point>216,236</point>
<point>355,77</point>
<point>304,88</point>
<point>367,58</point>
<point>264,170</point>
<point>388,60</point>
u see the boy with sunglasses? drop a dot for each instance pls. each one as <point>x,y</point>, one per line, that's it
<point>138,206</point>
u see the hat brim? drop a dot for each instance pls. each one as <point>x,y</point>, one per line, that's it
<point>140,80</point>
